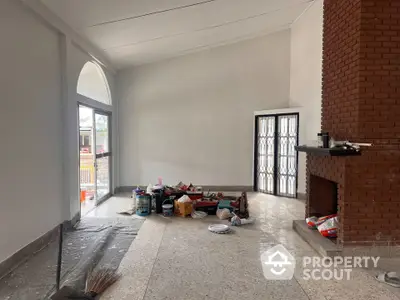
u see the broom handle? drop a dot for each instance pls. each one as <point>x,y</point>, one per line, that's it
<point>59,261</point>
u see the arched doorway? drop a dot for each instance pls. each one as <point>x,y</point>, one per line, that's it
<point>94,137</point>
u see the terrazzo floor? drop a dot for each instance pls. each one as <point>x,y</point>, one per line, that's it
<point>176,258</point>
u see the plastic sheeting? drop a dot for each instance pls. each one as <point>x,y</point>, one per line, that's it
<point>95,242</point>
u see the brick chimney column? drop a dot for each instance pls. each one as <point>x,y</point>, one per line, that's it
<point>361,103</point>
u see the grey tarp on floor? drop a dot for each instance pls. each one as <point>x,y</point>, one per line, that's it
<point>35,279</point>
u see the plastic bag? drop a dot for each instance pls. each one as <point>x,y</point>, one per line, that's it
<point>236,221</point>
<point>329,227</point>
<point>224,214</point>
<point>314,222</point>
<point>184,199</point>
<point>198,214</point>
<point>149,189</point>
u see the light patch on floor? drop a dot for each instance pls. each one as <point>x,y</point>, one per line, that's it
<point>111,207</point>
<point>180,259</point>
<point>87,206</point>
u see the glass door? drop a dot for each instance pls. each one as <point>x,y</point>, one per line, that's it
<point>275,165</point>
<point>265,144</point>
<point>287,155</point>
<point>87,172</point>
<point>103,156</point>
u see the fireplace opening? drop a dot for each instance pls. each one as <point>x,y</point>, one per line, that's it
<point>322,197</point>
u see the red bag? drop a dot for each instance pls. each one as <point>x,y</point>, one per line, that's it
<point>314,222</point>
<point>329,227</point>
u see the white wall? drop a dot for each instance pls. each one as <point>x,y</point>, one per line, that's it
<point>31,144</point>
<point>306,76</point>
<point>191,118</point>
<point>39,157</point>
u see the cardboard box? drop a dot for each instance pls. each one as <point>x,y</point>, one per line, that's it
<point>183,209</point>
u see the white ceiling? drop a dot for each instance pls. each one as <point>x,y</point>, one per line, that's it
<point>135,32</point>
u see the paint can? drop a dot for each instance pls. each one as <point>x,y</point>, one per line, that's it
<point>167,209</point>
<point>142,205</point>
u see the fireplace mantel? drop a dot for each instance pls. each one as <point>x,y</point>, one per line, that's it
<point>327,151</point>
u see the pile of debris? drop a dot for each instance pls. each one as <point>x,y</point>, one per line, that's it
<point>187,200</point>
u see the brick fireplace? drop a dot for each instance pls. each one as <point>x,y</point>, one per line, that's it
<point>360,103</point>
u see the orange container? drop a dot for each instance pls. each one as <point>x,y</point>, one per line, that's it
<point>83,196</point>
<point>183,209</point>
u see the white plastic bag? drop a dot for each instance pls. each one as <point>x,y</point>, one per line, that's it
<point>236,221</point>
<point>224,214</point>
<point>329,227</point>
<point>198,214</point>
<point>184,199</point>
<point>149,189</point>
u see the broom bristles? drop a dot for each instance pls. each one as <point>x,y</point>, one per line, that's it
<point>98,281</point>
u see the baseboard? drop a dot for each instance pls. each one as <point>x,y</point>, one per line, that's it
<point>302,196</point>
<point>372,248</point>
<point>71,223</point>
<point>128,189</point>
<point>28,251</point>
<point>228,188</point>
<point>214,188</point>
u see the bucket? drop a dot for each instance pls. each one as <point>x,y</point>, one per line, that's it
<point>142,205</point>
<point>167,209</point>
<point>83,196</point>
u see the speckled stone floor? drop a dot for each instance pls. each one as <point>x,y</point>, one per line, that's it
<point>180,259</point>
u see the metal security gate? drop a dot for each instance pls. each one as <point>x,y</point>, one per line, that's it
<point>265,154</point>
<point>275,165</point>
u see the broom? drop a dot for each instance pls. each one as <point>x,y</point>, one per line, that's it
<point>98,281</point>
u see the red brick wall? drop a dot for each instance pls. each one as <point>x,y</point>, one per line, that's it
<point>340,67</point>
<point>379,93</point>
<point>361,102</point>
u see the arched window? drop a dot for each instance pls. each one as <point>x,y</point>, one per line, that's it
<point>92,83</point>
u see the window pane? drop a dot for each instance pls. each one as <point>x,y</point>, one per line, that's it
<point>103,176</point>
<point>92,83</point>
<point>102,143</point>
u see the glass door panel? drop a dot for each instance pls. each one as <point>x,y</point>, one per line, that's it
<point>103,177</point>
<point>265,154</point>
<point>86,160</point>
<point>103,156</point>
<point>102,133</point>
<point>287,156</point>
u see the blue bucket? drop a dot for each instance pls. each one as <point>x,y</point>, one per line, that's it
<point>167,209</point>
<point>142,205</point>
